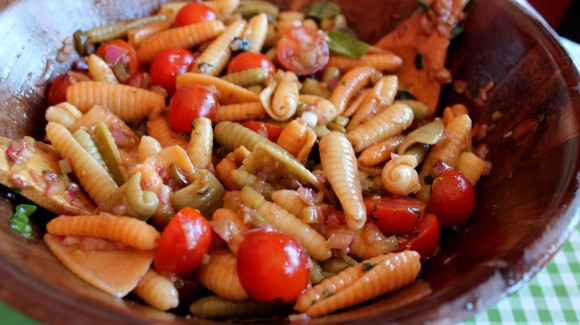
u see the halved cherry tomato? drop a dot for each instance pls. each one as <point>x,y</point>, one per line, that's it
<point>121,57</point>
<point>193,13</point>
<point>250,60</point>
<point>452,198</point>
<point>270,131</point>
<point>394,215</point>
<point>424,238</point>
<point>57,90</point>
<point>167,65</point>
<point>272,266</point>
<point>190,102</point>
<point>183,243</point>
<point>303,50</point>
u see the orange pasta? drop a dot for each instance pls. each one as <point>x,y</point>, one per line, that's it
<point>158,128</point>
<point>382,62</point>
<point>221,277</point>
<point>349,84</point>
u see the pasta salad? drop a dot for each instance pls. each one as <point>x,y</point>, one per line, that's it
<point>235,160</point>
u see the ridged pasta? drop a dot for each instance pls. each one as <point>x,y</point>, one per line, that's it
<point>369,242</point>
<point>471,166</point>
<point>298,139</point>
<point>247,77</point>
<point>382,62</point>
<point>158,128</point>
<point>323,108</point>
<point>290,201</point>
<point>228,92</point>
<point>63,113</point>
<point>395,272</point>
<point>214,58</point>
<point>349,84</point>
<point>447,150</point>
<point>380,152</point>
<point>157,290</point>
<point>99,70</point>
<point>230,215</point>
<point>356,102</point>
<point>200,144</point>
<point>126,230</point>
<point>240,112</point>
<point>129,103</point>
<point>185,37</point>
<point>399,175</point>
<point>256,32</point>
<point>285,98</point>
<point>218,307</point>
<point>136,36</point>
<point>287,223</point>
<point>148,147</point>
<point>380,96</point>
<point>341,169</point>
<point>223,171</point>
<point>451,112</point>
<point>223,8</point>
<point>220,275</point>
<point>233,135</point>
<point>388,123</point>
<point>94,179</point>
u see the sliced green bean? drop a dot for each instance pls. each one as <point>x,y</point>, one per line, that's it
<point>110,153</point>
<point>206,194</point>
<point>247,77</point>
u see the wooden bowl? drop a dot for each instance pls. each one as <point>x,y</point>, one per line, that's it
<point>526,208</point>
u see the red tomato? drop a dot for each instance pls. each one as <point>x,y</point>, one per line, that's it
<point>394,215</point>
<point>250,60</point>
<point>183,243</point>
<point>57,90</point>
<point>120,56</point>
<point>189,103</point>
<point>167,65</point>
<point>452,198</point>
<point>272,266</point>
<point>193,13</point>
<point>270,131</point>
<point>302,50</point>
<point>424,238</point>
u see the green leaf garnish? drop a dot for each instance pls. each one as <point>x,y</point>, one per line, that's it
<point>345,45</point>
<point>20,220</point>
<point>322,10</point>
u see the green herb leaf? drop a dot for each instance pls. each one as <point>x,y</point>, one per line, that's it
<point>419,61</point>
<point>322,10</point>
<point>326,293</point>
<point>345,45</point>
<point>20,220</point>
<point>368,267</point>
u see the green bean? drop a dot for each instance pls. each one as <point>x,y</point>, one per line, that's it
<point>110,153</point>
<point>206,194</point>
<point>85,140</point>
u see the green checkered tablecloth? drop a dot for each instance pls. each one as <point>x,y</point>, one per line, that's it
<point>551,297</point>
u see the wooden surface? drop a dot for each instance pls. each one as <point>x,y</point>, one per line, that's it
<point>526,208</point>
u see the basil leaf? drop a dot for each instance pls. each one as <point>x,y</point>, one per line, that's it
<point>345,45</point>
<point>322,10</point>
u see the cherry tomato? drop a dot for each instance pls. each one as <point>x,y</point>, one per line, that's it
<point>424,238</point>
<point>394,215</point>
<point>452,198</point>
<point>303,50</point>
<point>272,266</point>
<point>250,60</point>
<point>121,57</point>
<point>183,243</point>
<point>57,90</point>
<point>270,131</point>
<point>189,103</point>
<point>193,13</point>
<point>167,65</point>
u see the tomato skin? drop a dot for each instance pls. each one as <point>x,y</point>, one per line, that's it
<point>270,131</point>
<point>183,243</point>
<point>272,266</point>
<point>121,57</point>
<point>452,198</point>
<point>303,50</point>
<point>194,13</point>
<point>424,238</point>
<point>167,65</point>
<point>250,60</point>
<point>190,102</point>
<point>394,215</point>
<point>57,90</point>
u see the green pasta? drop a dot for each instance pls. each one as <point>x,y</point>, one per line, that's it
<point>138,203</point>
<point>248,8</point>
<point>110,153</point>
<point>85,140</point>
<point>247,77</point>
<point>218,307</point>
<point>233,135</point>
<point>429,133</point>
<point>119,30</point>
<point>206,194</point>
<point>312,87</point>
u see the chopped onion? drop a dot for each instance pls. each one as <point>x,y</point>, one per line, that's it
<point>64,166</point>
<point>340,241</point>
<point>310,118</point>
